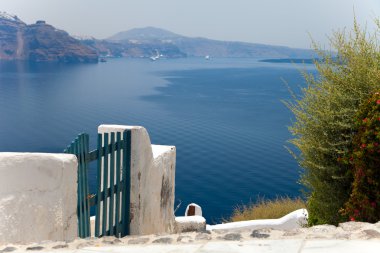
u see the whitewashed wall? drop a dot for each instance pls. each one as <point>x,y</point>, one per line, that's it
<point>38,197</point>
<point>152,182</point>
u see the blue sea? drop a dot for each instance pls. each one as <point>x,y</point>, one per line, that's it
<point>225,116</point>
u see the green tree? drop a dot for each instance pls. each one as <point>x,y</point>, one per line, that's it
<point>325,112</point>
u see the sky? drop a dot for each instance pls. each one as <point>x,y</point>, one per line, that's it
<point>276,22</point>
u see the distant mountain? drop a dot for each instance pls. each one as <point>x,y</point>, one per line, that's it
<point>144,34</point>
<point>40,42</point>
<point>202,46</point>
<point>43,42</point>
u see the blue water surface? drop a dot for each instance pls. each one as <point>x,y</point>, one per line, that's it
<point>225,116</point>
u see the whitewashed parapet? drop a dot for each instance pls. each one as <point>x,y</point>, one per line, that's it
<point>293,220</point>
<point>38,197</point>
<point>152,182</point>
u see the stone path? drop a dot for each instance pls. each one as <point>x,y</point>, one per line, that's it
<point>347,237</point>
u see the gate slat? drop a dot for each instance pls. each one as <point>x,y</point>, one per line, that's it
<point>99,181</point>
<point>86,215</point>
<point>123,202</point>
<point>87,202</point>
<point>79,190</point>
<point>126,182</point>
<point>81,184</point>
<point>112,184</point>
<point>117,209</point>
<point>105,184</point>
<point>128,150</point>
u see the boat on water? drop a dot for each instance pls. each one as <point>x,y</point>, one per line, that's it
<point>102,59</point>
<point>156,57</point>
<point>207,57</point>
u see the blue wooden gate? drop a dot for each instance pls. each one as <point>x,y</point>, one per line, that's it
<point>112,198</point>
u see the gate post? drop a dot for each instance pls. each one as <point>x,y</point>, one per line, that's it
<point>152,182</point>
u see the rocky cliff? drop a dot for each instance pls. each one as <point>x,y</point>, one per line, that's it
<point>11,42</point>
<point>203,46</point>
<point>40,42</point>
<point>134,49</point>
<point>149,41</point>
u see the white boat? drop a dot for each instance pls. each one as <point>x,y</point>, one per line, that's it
<point>207,57</point>
<point>156,57</point>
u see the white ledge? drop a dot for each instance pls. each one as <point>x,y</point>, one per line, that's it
<point>296,219</point>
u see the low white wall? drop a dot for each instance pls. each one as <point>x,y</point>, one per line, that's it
<point>293,220</point>
<point>190,224</point>
<point>152,182</point>
<point>38,197</point>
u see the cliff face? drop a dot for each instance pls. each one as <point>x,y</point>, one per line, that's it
<point>40,42</point>
<point>11,31</point>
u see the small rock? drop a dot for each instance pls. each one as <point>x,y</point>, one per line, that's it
<point>165,240</point>
<point>352,225</point>
<point>141,240</point>
<point>85,244</point>
<point>203,236</point>
<point>264,230</point>
<point>232,237</point>
<point>322,229</point>
<point>316,236</point>
<point>371,233</point>
<point>8,249</point>
<point>184,238</point>
<point>257,234</point>
<point>110,240</point>
<point>290,232</point>
<point>35,248</point>
<point>117,241</point>
<point>342,236</point>
<point>60,246</point>
<point>219,231</point>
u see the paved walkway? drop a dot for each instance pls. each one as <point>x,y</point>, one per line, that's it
<point>288,246</point>
<point>348,237</point>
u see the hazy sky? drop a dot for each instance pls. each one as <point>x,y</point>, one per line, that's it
<point>279,22</point>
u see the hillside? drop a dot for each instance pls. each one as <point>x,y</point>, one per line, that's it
<point>43,42</point>
<point>202,46</point>
<point>40,42</point>
<point>147,33</point>
<point>106,48</point>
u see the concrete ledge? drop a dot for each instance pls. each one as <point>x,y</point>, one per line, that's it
<point>293,220</point>
<point>159,150</point>
<point>190,224</point>
<point>38,197</point>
